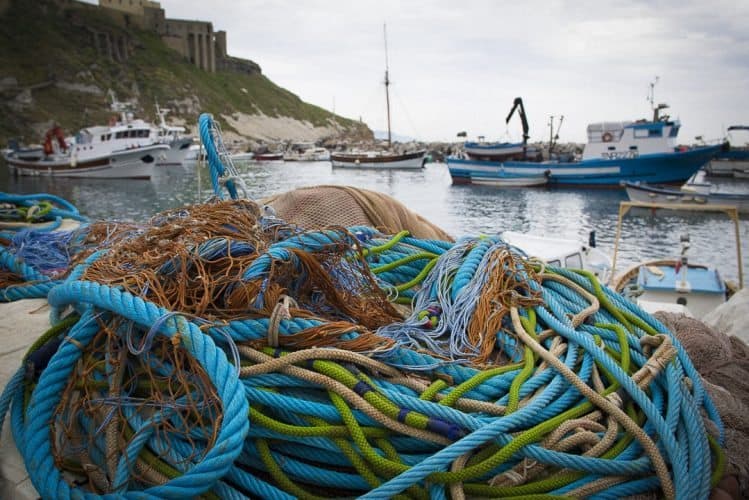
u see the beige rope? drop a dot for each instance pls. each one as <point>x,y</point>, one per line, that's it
<point>630,425</point>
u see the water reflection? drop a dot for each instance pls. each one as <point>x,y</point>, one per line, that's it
<point>460,210</point>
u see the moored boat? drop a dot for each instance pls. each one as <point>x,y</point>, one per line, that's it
<point>563,252</point>
<point>388,159</point>
<point>379,159</point>
<point>675,284</point>
<point>657,194</point>
<point>504,180</point>
<point>644,150</point>
<point>98,152</point>
<point>736,157</point>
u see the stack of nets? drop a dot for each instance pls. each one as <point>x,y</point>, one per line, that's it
<point>219,352</point>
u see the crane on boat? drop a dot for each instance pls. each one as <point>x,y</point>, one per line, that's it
<point>518,104</point>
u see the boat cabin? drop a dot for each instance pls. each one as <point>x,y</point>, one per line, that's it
<point>561,252</point>
<point>620,140</point>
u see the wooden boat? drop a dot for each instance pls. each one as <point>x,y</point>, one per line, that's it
<point>675,284</point>
<point>656,194</point>
<point>268,157</point>
<point>381,159</point>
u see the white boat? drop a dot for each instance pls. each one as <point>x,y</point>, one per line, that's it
<point>117,152</point>
<point>174,136</point>
<point>675,284</point>
<point>306,151</point>
<point>637,191</point>
<point>245,156</point>
<point>500,180</point>
<point>563,252</point>
<point>736,157</point>
<point>388,159</point>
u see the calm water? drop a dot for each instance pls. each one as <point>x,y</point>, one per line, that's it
<point>461,210</point>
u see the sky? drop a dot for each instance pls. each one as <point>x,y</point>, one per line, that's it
<point>458,65</point>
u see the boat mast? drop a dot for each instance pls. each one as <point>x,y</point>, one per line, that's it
<point>387,80</point>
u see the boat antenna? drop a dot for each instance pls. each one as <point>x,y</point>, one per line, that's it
<point>387,80</point>
<point>553,137</point>
<point>651,99</point>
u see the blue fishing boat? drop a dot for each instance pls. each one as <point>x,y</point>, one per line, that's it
<point>643,150</point>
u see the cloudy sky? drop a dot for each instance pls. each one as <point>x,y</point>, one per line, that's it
<point>458,65</point>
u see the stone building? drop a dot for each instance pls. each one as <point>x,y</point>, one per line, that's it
<point>195,40</point>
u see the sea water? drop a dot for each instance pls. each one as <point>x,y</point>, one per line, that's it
<point>460,210</point>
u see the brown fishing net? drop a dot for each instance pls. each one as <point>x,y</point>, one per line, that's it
<point>115,398</point>
<point>193,260</point>
<point>319,206</point>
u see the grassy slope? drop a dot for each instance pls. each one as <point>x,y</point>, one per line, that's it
<point>40,44</point>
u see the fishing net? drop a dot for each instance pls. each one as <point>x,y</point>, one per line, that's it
<point>320,206</point>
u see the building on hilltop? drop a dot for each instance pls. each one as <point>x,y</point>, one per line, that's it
<point>194,40</point>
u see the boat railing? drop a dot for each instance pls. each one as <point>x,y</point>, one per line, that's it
<point>731,211</point>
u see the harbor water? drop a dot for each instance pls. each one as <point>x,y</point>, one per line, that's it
<point>460,210</point>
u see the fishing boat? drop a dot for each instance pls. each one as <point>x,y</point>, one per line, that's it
<point>98,152</point>
<point>175,137</point>
<point>644,150</point>
<point>736,157</point>
<point>504,151</point>
<point>674,284</point>
<point>387,159</point>
<point>637,191</point>
<point>563,252</point>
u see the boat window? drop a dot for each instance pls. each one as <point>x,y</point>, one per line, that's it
<point>109,136</point>
<point>575,260</point>
<point>655,133</point>
<point>555,263</point>
<point>120,135</point>
<point>103,138</point>
<point>633,148</point>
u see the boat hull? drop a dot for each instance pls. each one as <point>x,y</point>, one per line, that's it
<point>494,151</point>
<point>509,181</point>
<point>136,163</point>
<point>653,194</point>
<point>384,161</point>
<point>177,152</point>
<point>656,168</point>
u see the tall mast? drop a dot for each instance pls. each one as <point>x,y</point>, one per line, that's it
<point>387,80</point>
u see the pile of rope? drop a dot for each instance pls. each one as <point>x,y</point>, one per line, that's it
<point>220,352</point>
<point>33,249</point>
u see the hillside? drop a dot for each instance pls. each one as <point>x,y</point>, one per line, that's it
<point>51,70</point>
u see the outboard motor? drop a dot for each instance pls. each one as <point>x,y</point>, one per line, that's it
<point>592,239</point>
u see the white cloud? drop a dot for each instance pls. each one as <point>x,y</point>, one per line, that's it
<point>458,65</point>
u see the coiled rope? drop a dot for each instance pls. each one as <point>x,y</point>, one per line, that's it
<point>245,358</point>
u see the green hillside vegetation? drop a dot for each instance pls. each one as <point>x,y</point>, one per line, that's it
<point>42,45</point>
